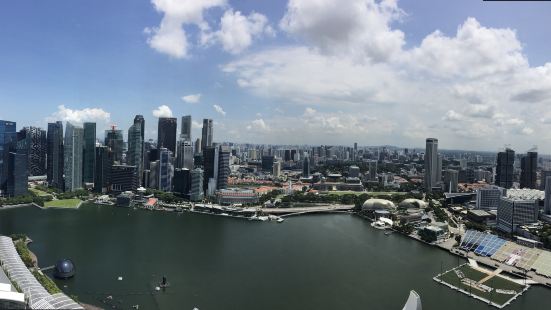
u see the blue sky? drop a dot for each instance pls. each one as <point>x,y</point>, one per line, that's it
<point>315,72</point>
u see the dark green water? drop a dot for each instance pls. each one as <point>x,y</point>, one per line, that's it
<point>309,262</point>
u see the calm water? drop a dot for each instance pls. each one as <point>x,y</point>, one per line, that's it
<point>309,262</point>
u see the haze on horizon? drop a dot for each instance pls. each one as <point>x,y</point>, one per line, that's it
<point>474,74</point>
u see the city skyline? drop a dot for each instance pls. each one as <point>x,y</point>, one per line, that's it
<point>248,62</point>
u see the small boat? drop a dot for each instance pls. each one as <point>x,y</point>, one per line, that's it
<point>280,220</point>
<point>164,283</point>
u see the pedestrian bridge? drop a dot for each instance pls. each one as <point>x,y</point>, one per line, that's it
<point>284,212</point>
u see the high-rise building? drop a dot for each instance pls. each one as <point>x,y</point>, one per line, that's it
<point>196,190</point>
<point>198,148</point>
<point>54,162</point>
<point>487,198</point>
<point>206,136</point>
<point>8,137</point>
<point>514,212</point>
<point>123,178</point>
<point>89,155</point>
<point>114,140</point>
<point>184,157</point>
<point>431,164</point>
<point>547,202</point>
<point>185,131</point>
<point>166,133</point>
<point>135,150</point>
<point>306,167</point>
<point>451,179</point>
<point>140,122</point>
<point>17,166</point>
<point>223,171</point>
<point>102,173</point>
<point>209,156</point>
<point>504,169</point>
<point>372,170</point>
<point>276,169</point>
<point>543,177</point>
<point>36,150</point>
<point>216,161</point>
<point>166,170</point>
<point>267,162</point>
<point>354,171</point>
<point>528,166</point>
<point>182,181</point>
<point>73,146</point>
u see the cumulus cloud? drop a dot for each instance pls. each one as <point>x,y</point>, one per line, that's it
<point>170,37</point>
<point>237,30</point>
<point>196,124</point>
<point>193,98</point>
<point>77,117</point>
<point>258,125</point>
<point>219,110</point>
<point>356,27</point>
<point>349,57</point>
<point>162,111</point>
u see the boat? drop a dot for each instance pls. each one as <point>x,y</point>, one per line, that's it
<point>224,214</point>
<point>280,220</point>
<point>164,283</point>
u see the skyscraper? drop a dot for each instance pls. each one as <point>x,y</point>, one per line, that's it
<point>54,165</point>
<point>431,164</point>
<point>104,162</point>
<point>135,150</point>
<point>196,190</point>
<point>547,202</point>
<point>17,166</point>
<point>8,137</point>
<point>123,178</point>
<point>140,122</point>
<point>198,148</point>
<point>206,137</point>
<point>504,169</point>
<point>184,157</point>
<point>306,167</point>
<point>73,146</point>
<point>114,140</point>
<point>528,166</point>
<point>166,133</point>
<point>166,170</point>
<point>37,146</point>
<point>451,178</point>
<point>209,155</point>
<point>185,133</point>
<point>223,167</point>
<point>89,153</point>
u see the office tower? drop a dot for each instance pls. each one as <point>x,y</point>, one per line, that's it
<point>135,150</point>
<point>287,155</point>
<point>185,132</point>
<point>182,181</point>
<point>184,157</point>
<point>354,172</point>
<point>114,140</point>
<point>514,212</point>
<point>123,178</point>
<point>547,202</point>
<point>306,167</point>
<point>140,122</point>
<point>89,155</point>
<point>102,172</point>
<point>73,146</point>
<point>54,162</point>
<point>196,190</point>
<point>528,166</point>
<point>487,198</point>
<point>451,180</point>
<point>166,133</point>
<point>372,164</point>
<point>276,169</point>
<point>439,169</point>
<point>206,136</point>
<point>8,136</point>
<point>154,174</point>
<point>504,168</point>
<point>209,156</point>
<point>431,164</point>
<point>198,149</point>
<point>543,177</point>
<point>36,150</point>
<point>17,166</point>
<point>267,162</point>
<point>223,167</point>
<point>166,170</point>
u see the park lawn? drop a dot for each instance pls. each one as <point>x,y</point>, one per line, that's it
<point>495,282</point>
<point>39,192</point>
<point>373,194</point>
<point>342,193</point>
<point>63,203</point>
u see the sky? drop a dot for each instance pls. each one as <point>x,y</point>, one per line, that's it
<point>476,75</point>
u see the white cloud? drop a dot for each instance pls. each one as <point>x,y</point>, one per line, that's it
<point>196,124</point>
<point>237,31</point>
<point>78,117</point>
<point>193,98</point>
<point>360,28</point>
<point>162,111</point>
<point>170,37</point>
<point>258,125</point>
<point>451,115</point>
<point>219,110</point>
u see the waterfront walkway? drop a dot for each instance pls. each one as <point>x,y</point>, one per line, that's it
<point>35,294</point>
<point>306,210</point>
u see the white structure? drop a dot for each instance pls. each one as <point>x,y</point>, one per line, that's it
<point>413,302</point>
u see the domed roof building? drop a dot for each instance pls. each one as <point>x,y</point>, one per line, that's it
<point>64,269</point>
<point>378,204</point>
<point>412,203</point>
